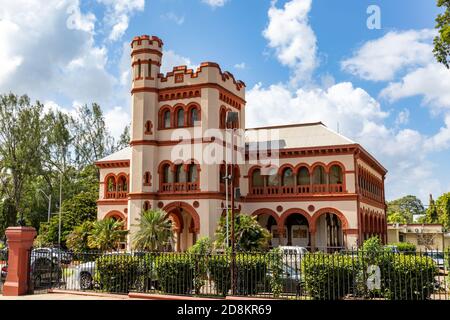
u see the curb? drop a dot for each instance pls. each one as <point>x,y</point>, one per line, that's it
<point>92,294</point>
<point>151,296</point>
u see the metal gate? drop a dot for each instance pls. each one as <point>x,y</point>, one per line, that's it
<point>45,270</point>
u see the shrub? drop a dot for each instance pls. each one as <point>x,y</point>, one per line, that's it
<point>328,276</point>
<point>200,252</point>
<point>251,271</point>
<point>175,272</point>
<point>117,273</point>
<point>405,247</point>
<point>410,277</point>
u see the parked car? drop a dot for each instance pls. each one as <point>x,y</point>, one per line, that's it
<point>291,279</point>
<point>54,254</point>
<point>438,258</point>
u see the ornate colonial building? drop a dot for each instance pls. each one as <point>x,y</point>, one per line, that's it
<point>317,189</point>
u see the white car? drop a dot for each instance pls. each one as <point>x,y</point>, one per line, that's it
<point>438,258</point>
<point>293,254</point>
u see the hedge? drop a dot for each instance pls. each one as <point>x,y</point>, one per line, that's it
<point>117,273</point>
<point>328,276</point>
<point>251,270</point>
<point>405,247</point>
<point>410,277</point>
<point>175,272</point>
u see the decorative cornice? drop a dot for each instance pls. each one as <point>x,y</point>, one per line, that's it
<point>113,164</point>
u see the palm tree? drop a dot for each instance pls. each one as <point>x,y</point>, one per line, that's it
<point>106,234</point>
<point>155,231</point>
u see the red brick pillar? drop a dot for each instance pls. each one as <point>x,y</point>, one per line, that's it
<point>20,241</point>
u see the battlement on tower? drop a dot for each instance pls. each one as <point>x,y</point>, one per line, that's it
<point>146,41</point>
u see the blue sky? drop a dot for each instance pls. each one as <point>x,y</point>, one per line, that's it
<point>302,60</point>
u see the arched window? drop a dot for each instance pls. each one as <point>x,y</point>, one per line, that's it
<point>257,178</point>
<point>319,176</point>
<point>303,176</point>
<point>123,184</point>
<point>180,174</point>
<point>139,68</point>
<point>146,205</point>
<point>335,175</point>
<point>288,177</point>
<point>149,68</point>
<point>180,118</point>
<point>222,120</point>
<point>147,178</point>
<point>167,174</point>
<point>148,127</point>
<point>193,173</point>
<point>111,184</point>
<point>193,116</point>
<point>166,119</point>
<point>273,178</point>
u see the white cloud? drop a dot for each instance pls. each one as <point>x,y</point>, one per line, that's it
<point>432,82</point>
<point>171,59</point>
<point>290,34</point>
<point>240,65</point>
<point>383,58</point>
<point>402,117</point>
<point>118,14</point>
<point>171,16</point>
<point>117,119</point>
<point>215,3</point>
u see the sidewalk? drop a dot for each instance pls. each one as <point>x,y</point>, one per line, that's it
<point>65,296</point>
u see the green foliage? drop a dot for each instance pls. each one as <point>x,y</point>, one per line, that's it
<point>251,271</point>
<point>275,257</point>
<point>106,234</point>
<point>154,233</point>
<point>328,276</point>
<point>432,215</point>
<point>442,41</point>
<point>443,207</point>
<point>201,252</point>
<point>411,277</point>
<point>249,234</point>
<point>117,273</point>
<point>405,247</point>
<point>402,210</point>
<point>77,240</point>
<point>175,273</point>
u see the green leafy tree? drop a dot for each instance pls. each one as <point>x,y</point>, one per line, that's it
<point>106,234</point>
<point>396,217</point>
<point>21,141</point>
<point>407,207</point>
<point>443,208</point>
<point>77,240</point>
<point>442,41</point>
<point>249,234</point>
<point>154,231</point>
<point>432,215</point>
<point>124,140</point>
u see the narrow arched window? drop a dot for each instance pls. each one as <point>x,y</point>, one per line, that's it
<point>193,173</point>
<point>166,119</point>
<point>288,177</point>
<point>111,184</point>
<point>180,174</point>
<point>193,116</point>
<point>273,179</point>
<point>167,174</point>
<point>319,176</point>
<point>149,68</point>
<point>335,175</point>
<point>257,178</point>
<point>303,176</point>
<point>180,118</point>
<point>139,68</point>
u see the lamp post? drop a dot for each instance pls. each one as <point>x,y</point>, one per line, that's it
<point>49,198</point>
<point>231,119</point>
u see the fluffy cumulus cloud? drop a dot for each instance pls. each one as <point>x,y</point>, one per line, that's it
<point>172,59</point>
<point>383,58</point>
<point>215,3</point>
<point>118,14</point>
<point>294,41</point>
<point>359,116</point>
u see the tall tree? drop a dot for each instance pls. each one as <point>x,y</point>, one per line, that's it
<point>92,140</point>
<point>442,41</point>
<point>21,142</point>
<point>155,231</point>
<point>407,207</point>
<point>443,207</point>
<point>124,140</point>
<point>432,215</point>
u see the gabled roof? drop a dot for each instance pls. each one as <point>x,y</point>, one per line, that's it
<point>124,154</point>
<point>297,136</point>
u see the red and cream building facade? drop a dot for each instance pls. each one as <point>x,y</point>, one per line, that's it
<point>323,190</point>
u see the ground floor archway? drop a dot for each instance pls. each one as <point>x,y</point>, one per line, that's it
<point>185,225</point>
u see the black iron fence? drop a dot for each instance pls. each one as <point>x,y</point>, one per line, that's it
<point>3,267</point>
<point>276,274</point>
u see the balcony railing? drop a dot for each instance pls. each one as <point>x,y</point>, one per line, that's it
<point>297,190</point>
<point>116,195</point>
<point>180,187</point>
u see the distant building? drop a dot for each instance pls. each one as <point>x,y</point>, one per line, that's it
<point>324,191</point>
<point>424,236</point>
